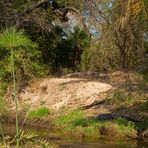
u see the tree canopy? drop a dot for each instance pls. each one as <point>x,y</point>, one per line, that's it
<point>80,35</point>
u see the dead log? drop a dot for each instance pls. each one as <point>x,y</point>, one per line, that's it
<point>95,103</point>
<point>88,75</point>
<point>111,116</point>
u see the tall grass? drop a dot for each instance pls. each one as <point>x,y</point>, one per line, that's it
<point>11,40</point>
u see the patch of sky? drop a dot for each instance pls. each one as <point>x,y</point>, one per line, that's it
<point>50,1</point>
<point>94,32</point>
<point>71,25</point>
<point>146,37</point>
<point>99,19</point>
<point>86,14</point>
<point>110,4</point>
<point>92,29</point>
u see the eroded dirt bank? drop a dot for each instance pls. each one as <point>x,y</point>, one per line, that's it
<point>103,96</point>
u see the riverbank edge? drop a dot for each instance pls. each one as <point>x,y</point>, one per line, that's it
<point>39,123</point>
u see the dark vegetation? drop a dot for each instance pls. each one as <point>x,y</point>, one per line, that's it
<point>119,43</point>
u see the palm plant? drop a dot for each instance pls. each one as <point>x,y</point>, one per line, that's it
<point>129,26</point>
<point>80,41</point>
<point>11,40</point>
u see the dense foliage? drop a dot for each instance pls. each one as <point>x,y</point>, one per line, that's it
<point>69,36</point>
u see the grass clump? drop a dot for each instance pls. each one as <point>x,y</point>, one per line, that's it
<point>65,119</point>
<point>117,128</point>
<point>122,99</point>
<point>144,105</point>
<point>39,112</point>
<point>2,106</point>
<point>142,126</point>
<point>74,123</point>
<point>125,128</point>
<point>143,85</point>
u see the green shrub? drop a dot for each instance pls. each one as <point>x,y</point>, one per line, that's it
<point>39,112</point>
<point>68,119</point>
<point>125,128</point>
<point>3,88</point>
<point>144,106</point>
<point>74,123</point>
<point>119,128</point>
<point>143,125</point>
<point>143,85</point>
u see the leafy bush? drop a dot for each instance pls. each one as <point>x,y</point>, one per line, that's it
<point>99,56</point>
<point>27,57</point>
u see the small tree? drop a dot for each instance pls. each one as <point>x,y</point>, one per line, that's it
<point>11,40</point>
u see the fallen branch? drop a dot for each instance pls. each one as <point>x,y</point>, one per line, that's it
<point>111,116</point>
<point>95,103</point>
<point>87,75</point>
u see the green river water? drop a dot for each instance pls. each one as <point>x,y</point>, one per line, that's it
<point>55,137</point>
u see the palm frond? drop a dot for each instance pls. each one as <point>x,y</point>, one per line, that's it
<point>11,38</point>
<point>27,136</point>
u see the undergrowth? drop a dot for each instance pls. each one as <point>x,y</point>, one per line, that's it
<point>76,124</point>
<point>122,99</point>
<point>39,112</point>
<point>3,106</point>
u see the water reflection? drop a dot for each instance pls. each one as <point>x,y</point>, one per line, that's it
<point>55,137</point>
